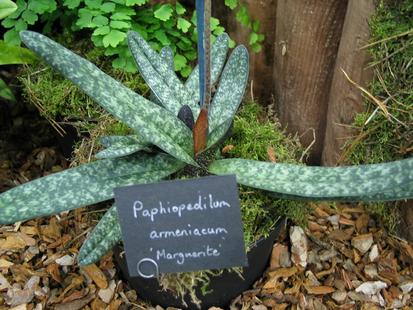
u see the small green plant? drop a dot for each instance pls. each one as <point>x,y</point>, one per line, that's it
<point>161,24</point>
<point>10,55</point>
<point>256,38</point>
<point>7,7</point>
<point>163,145</point>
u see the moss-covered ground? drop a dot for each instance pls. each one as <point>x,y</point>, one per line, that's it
<point>384,138</point>
<point>59,99</point>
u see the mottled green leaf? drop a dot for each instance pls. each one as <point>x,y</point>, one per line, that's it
<point>219,54</point>
<point>153,123</point>
<point>120,150</point>
<point>104,237</point>
<point>107,233</point>
<point>218,133</point>
<point>158,74</point>
<point>231,88</point>
<point>108,141</point>
<point>388,181</point>
<point>168,56</point>
<point>81,186</point>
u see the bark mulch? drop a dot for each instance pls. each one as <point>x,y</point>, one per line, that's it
<point>343,260</point>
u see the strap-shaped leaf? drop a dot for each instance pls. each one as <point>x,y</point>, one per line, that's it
<point>399,193</point>
<point>104,237</point>
<point>388,181</point>
<point>108,141</point>
<point>218,57</point>
<point>107,232</point>
<point>158,74</point>
<point>153,123</point>
<point>119,146</point>
<point>168,56</point>
<point>120,150</point>
<point>231,88</point>
<point>218,133</point>
<point>81,186</point>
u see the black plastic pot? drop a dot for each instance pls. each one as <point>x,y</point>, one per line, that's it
<point>224,287</point>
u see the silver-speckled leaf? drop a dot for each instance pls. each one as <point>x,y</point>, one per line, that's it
<point>158,74</point>
<point>120,150</point>
<point>388,181</point>
<point>153,123</point>
<point>218,57</point>
<point>102,239</point>
<point>108,141</point>
<point>218,133</point>
<point>168,56</point>
<point>119,146</point>
<point>231,88</point>
<point>81,186</point>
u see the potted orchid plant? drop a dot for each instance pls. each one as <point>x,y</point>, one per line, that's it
<point>174,132</point>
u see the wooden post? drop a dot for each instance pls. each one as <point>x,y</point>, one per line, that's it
<point>261,64</point>
<point>306,42</point>
<point>345,99</point>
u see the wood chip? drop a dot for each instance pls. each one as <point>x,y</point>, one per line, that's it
<point>299,246</point>
<point>13,242</point>
<point>97,275</point>
<point>76,304</point>
<point>362,242</point>
<point>320,290</point>
<point>362,222</point>
<point>107,294</point>
<point>5,263</point>
<point>271,154</point>
<point>344,221</point>
<point>284,273</point>
<point>371,287</point>
<point>280,257</point>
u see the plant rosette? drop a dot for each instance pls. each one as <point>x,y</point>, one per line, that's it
<point>163,144</point>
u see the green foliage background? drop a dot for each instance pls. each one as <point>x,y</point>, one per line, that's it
<point>168,23</point>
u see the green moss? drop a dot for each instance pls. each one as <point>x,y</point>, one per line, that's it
<point>386,213</point>
<point>59,99</point>
<point>254,135</point>
<point>384,139</point>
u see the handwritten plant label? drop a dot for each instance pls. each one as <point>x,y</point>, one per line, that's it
<point>181,225</point>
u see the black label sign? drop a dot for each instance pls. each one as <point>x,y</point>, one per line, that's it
<point>181,225</point>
